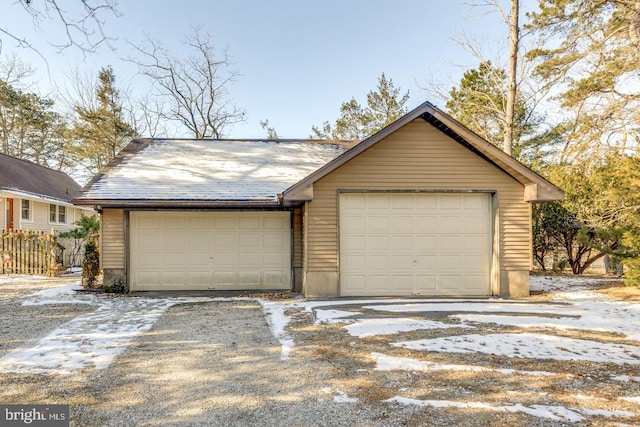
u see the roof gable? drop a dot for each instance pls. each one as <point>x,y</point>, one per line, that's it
<point>206,172</point>
<point>537,189</point>
<point>27,177</point>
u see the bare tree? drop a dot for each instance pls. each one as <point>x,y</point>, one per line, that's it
<point>196,87</point>
<point>82,23</point>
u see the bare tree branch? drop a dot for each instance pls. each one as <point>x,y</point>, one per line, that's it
<point>196,87</point>
<point>82,24</point>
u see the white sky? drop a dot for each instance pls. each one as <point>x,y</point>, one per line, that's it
<point>298,60</point>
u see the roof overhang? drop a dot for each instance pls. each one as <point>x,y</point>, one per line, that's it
<point>536,188</point>
<point>9,192</point>
<point>99,204</point>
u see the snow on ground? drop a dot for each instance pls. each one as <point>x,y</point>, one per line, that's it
<point>90,340</point>
<point>393,363</point>
<point>95,339</point>
<point>532,346</point>
<point>363,328</point>
<point>555,413</point>
<point>58,295</point>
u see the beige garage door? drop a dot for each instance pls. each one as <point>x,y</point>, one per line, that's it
<point>415,244</point>
<point>210,250</point>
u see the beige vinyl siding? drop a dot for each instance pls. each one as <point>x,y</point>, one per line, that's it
<point>112,238</point>
<point>417,157</point>
<point>297,238</point>
<point>40,217</point>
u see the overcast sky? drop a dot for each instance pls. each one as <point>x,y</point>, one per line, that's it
<point>298,60</point>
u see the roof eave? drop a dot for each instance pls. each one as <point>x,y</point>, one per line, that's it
<point>192,204</point>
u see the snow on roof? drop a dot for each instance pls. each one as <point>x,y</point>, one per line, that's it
<point>211,170</point>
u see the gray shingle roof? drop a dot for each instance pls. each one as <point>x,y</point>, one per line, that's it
<point>28,177</point>
<point>207,170</point>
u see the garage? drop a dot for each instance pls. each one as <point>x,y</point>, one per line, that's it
<point>415,244</point>
<point>183,250</point>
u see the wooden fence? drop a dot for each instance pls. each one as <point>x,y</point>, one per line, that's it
<point>28,252</point>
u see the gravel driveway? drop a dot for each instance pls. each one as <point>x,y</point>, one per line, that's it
<point>191,362</point>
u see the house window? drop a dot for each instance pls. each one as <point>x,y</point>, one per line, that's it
<point>26,210</point>
<point>62,214</point>
<point>57,214</point>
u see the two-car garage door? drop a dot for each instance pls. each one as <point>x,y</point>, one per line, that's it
<point>210,250</point>
<point>415,244</point>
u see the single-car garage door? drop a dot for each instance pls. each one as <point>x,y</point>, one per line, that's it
<point>210,250</point>
<point>415,244</point>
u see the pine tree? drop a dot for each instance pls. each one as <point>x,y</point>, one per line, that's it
<point>384,105</point>
<point>100,131</point>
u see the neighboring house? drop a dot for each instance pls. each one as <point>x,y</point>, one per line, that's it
<point>33,197</point>
<point>423,207</point>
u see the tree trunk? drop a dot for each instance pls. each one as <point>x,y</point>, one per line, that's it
<point>512,94</point>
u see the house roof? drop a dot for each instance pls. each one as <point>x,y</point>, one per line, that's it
<point>204,173</point>
<point>24,178</point>
<point>263,173</point>
<point>537,189</point>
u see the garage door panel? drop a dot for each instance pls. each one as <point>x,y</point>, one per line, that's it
<point>435,243</point>
<point>198,277</point>
<point>356,224</point>
<point>378,224</point>
<point>198,223</point>
<point>174,278</point>
<point>228,240</point>
<point>223,223</point>
<point>451,202</point>
<point>377,242</point>
<point>249,223</point>
<point>172,258</point>
<point>199,259</point>
<point>172,222</point>
<point>249,240</point>
<point>400,243</point>
<point>449,225</point>
<point>427,283</point>
<point>449,243</point>
<point>401,224</point>
<point>224,278</point>
<point>401,262</point>
<point>475,224</point>
<point>425,224</point>
<point>249,260</point>
<point>210,250</point>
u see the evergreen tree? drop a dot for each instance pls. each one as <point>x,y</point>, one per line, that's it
<point>384,105</point>
<point>100,131</point>
<point>480,103</point>
<point>592,55</point>
<point>30,129</point>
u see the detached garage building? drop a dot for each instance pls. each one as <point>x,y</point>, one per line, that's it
<point>423,207</point>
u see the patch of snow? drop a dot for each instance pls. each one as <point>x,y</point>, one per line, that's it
<point>363,328</point>
<point>10,279</point>
<point>555,413</point>
<point>333,316</point>
<point>392,363</point>
<point>342,397</point>
<point>91,340</point>
<point>528,345</point>
<point>625,378</point>
<point>553,284</point>
<point>634,399</point>
<point>64,294</point>
<point>277,320</point>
